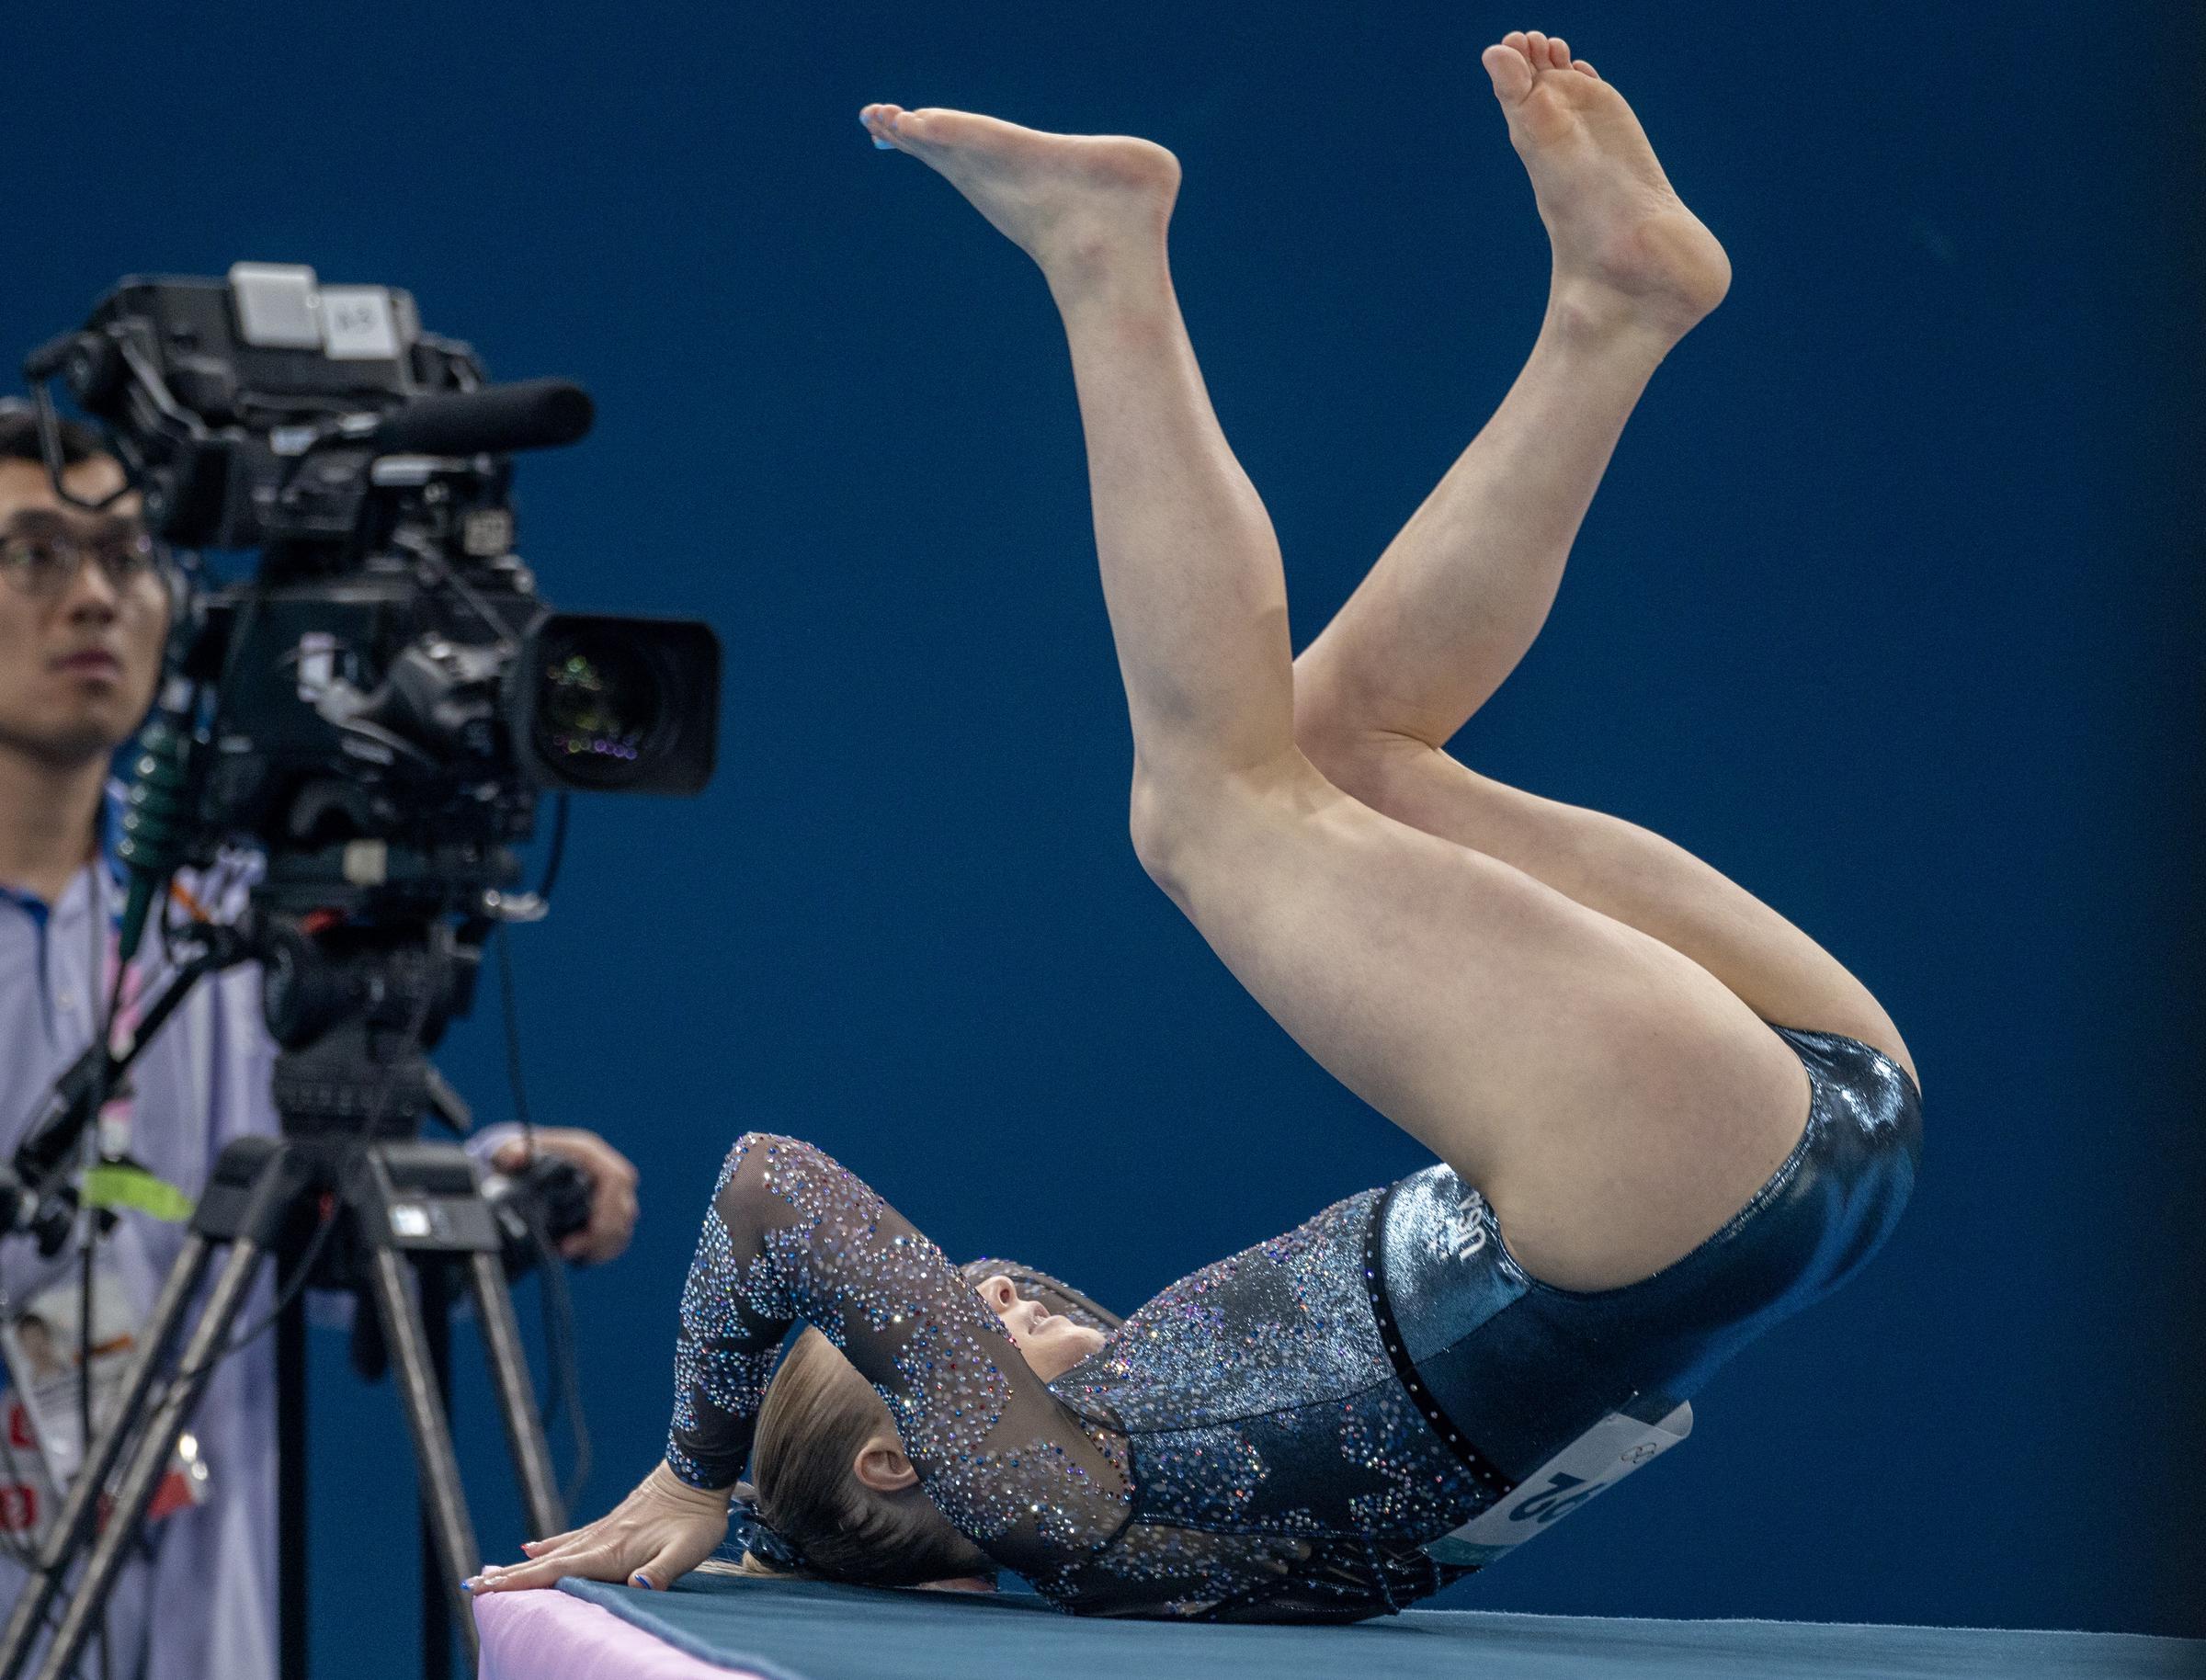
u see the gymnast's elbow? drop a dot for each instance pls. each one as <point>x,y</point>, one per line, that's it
<point>757,1159</point>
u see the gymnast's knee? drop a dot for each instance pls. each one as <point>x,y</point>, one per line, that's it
<point>1151,826</point>
<point>1185,819</point>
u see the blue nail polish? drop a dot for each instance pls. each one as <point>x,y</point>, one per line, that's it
<point>642,1581</point>
<point>468,1586</point>
<point>883,146</point>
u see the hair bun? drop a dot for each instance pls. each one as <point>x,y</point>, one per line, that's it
<point>762,1544</point>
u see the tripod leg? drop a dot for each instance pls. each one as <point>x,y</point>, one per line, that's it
<point>516,1399</point>
<point>149,1458</point>
<point>442,1497</point>
<point>72,1523</point>
<point>291,1644</point>
<point>436,1298</point>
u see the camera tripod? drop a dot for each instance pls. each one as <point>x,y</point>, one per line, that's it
<point>349,1184</point>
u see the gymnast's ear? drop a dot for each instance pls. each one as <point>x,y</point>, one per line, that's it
<point>881,1466</point>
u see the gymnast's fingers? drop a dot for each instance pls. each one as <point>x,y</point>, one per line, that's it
<point>675,1559</point>
<point>591,1563</point>
<point>563,1554</point>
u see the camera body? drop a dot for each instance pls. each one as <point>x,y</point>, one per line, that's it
<point>377,708</point>
<point>376,711</point>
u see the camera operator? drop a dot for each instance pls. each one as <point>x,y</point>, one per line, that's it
<point>84,604</point>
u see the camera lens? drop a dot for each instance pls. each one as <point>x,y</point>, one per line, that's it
<point>599,704</point>
<point>617,705</point>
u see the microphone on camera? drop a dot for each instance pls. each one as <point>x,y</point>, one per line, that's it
<point>497,420</point>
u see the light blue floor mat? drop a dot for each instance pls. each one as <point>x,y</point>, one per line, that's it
<point>810,1630</point>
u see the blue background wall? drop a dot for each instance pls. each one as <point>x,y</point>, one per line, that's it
<point>1889,608</point>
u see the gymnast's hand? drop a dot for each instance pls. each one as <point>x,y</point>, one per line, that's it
<point>652,1539</point>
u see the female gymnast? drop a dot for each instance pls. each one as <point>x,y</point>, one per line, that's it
<point>1578,1018</point>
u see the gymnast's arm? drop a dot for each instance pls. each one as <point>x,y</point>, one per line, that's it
<point>792,1235</point>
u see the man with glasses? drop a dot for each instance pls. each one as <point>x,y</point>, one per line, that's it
<point>85,607</point>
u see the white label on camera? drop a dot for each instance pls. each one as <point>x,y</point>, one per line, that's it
<point>409,1220</point>
<point>1592,1464</point>
<point>357,326</point>
<point>275,305</point>
<point>366,862</point>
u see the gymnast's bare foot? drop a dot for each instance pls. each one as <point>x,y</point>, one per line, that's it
<point>1075,203</point>
<point>1626,249</point>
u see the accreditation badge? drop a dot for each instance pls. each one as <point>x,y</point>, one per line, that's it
<point>26,1492</point>
<point>41,1408</point>
<point>1647,1427</point>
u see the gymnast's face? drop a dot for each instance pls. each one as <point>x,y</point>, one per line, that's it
<point>1051,1342</point>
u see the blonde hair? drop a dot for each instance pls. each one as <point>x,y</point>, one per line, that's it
<point>818,1415</point>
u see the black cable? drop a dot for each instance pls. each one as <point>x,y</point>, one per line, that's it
<point>509,1018</point>
<point>562,1354</point>
<point>509,1015</point>
<point>88,1150</point>
<point>84,1390</point>
<point>558,847</point>
<point>103,1035</point>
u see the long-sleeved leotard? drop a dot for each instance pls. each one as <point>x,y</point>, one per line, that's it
<point>1214,1377</point>
<point>1277,1437</point>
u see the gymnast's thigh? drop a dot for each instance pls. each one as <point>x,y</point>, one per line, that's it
<point>1615,1101</point>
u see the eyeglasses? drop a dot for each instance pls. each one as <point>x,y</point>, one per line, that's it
<point>47,564</point>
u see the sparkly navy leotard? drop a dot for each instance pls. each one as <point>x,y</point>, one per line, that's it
<point>1277,1437</point>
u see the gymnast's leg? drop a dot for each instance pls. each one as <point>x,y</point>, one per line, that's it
<point>1459,594</point>
<point>1615,1101</point>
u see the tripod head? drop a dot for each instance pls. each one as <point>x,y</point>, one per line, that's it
<point>355,1006</point>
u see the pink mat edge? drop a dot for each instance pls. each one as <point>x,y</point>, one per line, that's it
<point>550,1635</point>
